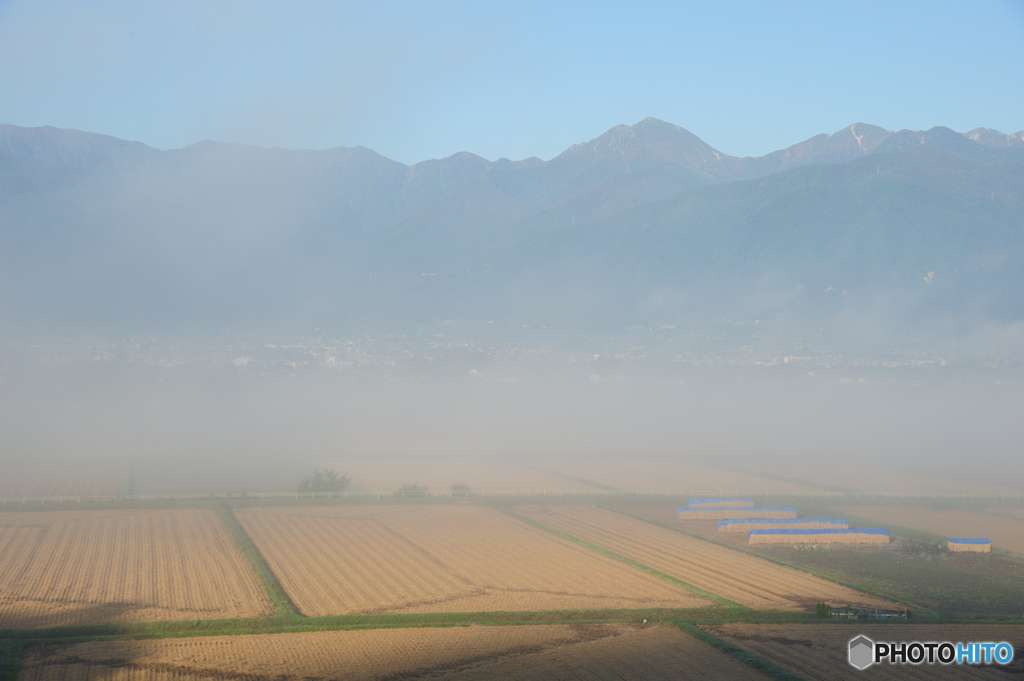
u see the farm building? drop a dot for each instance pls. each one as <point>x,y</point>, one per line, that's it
<point>827,536</point>
<point>966,545</point>
<point>867,614</point>
<point>721,502</point>
<point>715,513</point>
<point>747,524</point>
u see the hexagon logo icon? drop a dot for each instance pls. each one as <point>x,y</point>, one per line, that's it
<point>862,652</point>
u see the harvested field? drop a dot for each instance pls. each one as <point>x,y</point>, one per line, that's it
<point>545,652</point>
<point>445,558</point>
<point>831,536</point>
<point>819,651</point>
<point>1004,531</point>
<point>746,524</point>
<point>92,567</point>
<point>706,528</point>
<point>769,512</point>
<point>733,575</point>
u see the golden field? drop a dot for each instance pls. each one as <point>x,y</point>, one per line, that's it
<point>444,558</point>
<point>819,651</point>
<point>738,577</point>
<point>92,567</point>
<point>542,652</point>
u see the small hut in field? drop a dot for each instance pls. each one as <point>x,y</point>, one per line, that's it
<point>967,545</point>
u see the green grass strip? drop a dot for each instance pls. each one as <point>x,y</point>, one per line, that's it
<point>743,656</point>
<point>273,625</point>
<point>919,610</point>
<point>282,604</point>
<point>10,659</point>
<point>279,625</point>
<point>628,561</point>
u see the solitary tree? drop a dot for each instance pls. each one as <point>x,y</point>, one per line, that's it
<point>327,480</point>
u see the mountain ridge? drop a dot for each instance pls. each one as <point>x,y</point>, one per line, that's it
<point>99,231</point>
<point>41,141</point>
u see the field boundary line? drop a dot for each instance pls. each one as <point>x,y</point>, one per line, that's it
<point>11,654</point>
<point>274,625</point>
<point>623,559</point>
<point>272,588</point>
<point>799,568</point>
<point>751,660</point>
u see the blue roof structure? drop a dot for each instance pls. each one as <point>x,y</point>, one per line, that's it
<point>737,521</point>
<point>822,531</point>
<point>966,540</point>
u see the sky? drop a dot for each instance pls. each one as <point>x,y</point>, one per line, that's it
<point>423,80</point>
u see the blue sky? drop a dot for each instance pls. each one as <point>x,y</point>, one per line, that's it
<point>423,80</point>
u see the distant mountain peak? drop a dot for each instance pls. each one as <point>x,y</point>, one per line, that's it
<point>650,141</point>
<point>994,138</point>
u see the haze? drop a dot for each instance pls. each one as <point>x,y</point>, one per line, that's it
<point>473,341</point>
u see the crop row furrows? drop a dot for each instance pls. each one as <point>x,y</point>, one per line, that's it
<point>696,564</point>
<point>697,567</point>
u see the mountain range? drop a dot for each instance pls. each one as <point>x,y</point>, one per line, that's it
<point>896,232</point>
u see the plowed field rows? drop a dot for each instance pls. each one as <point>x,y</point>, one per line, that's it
<point>1004,531</point>
<point>90,567</point>
<point>819,651</point>
<point>347,560</point>
<point>737,576</point>
<point>524,653</point>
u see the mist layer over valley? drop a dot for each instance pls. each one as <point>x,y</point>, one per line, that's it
<point>229,317</point>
